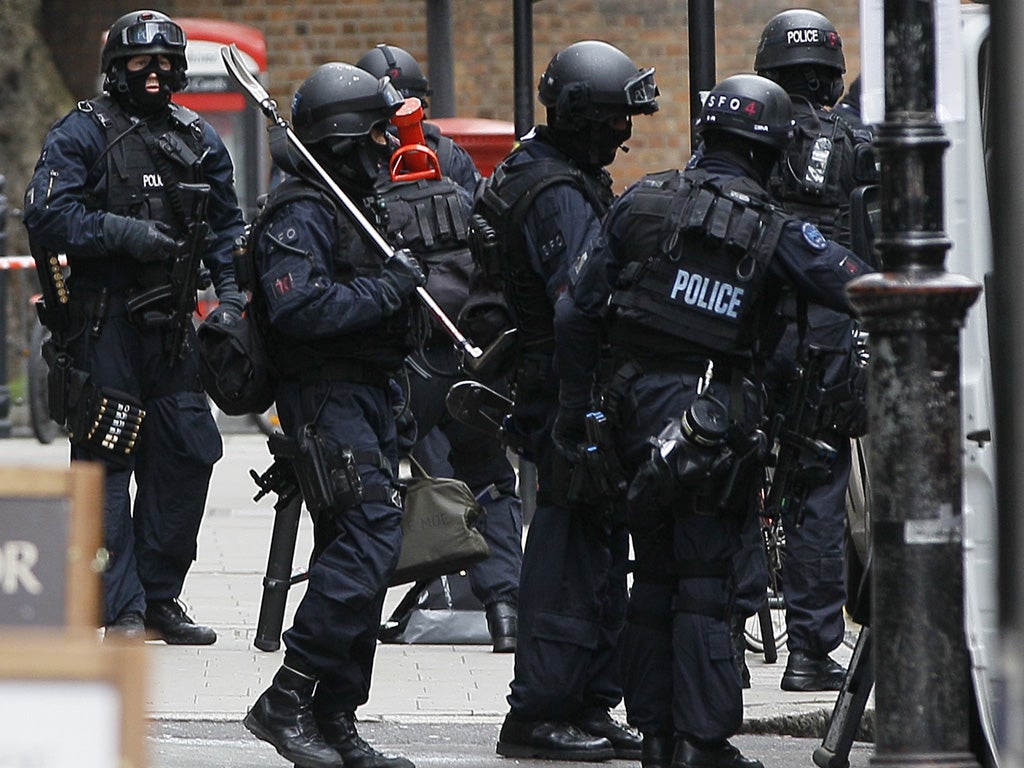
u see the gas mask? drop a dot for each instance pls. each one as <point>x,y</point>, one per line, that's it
<point>357,160</point>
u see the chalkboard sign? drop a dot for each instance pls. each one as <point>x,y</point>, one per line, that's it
<point>71,702</point>
<point>51,556</point>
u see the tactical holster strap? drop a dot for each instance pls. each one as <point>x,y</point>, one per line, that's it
<point>375,459</point>
<point>381,494</point>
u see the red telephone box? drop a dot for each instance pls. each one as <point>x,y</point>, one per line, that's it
<point>212,93</point>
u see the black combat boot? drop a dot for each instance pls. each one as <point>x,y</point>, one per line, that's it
<point>340,732</point>
<point>625,741</point>
<point>166,620</point>
<point>805,672</point>
<point>501,623</point>
<point>690,753</point>
<point>283,717</point>
<point>657,751</point>
<point>551,740</point>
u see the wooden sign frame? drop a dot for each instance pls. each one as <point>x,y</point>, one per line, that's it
<point>53,665</point>
<point>80,490</point>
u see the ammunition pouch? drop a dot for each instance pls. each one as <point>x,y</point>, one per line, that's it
<point>101,419</point>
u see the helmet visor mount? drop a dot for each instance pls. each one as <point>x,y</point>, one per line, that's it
<point>153,32</point>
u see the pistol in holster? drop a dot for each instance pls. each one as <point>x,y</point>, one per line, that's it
<point>327,482</point>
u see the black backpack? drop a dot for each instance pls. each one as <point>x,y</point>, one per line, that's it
<point>235,367</point>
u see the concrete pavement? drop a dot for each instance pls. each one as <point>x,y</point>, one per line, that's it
<point>412,683</point>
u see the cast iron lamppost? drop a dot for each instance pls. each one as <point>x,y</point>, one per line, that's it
<point>914,311</point>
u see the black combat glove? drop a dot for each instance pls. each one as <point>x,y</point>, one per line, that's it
<point>569,432</point>
<point>229,310</point>
<point>401,276</point>
<point>144,240</point>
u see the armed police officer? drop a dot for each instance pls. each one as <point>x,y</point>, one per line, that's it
<point>445,447</point>
<point>544,203</point>
<point>407,76</point>
<point>829,158</point>
<point>338,323</point>
<point>138,192</point>
<point>681,281</point>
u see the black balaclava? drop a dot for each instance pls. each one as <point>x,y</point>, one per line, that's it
<point>592,144</point>
<point>131,89</point>
<point>756,159</point>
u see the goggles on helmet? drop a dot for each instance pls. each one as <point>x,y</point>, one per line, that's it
<point>641,91</point>
<point>151,32</point>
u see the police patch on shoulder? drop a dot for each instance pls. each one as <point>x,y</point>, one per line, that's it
<point>553,246</point>
<point>814,237</point>
<point>283,284</point>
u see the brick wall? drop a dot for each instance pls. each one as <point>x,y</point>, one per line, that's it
<point>302,34</point>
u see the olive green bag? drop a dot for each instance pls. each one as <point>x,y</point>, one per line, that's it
<point>438,536</point>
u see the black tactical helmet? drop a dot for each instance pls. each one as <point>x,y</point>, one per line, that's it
<point>339,100</point>
<point>144,32</point>
<point>592,81</point>
<point>400,66</point>
<point>750,106</point>
<point>799,36</point>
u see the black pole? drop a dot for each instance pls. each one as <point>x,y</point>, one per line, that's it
<point>522,61</point>
<point>5,390</point>
<point>440,59</point>
<point>914,312</point>
<point>701,34</point>
<point>1007,339</point>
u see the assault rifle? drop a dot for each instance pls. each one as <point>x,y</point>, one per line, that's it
<point>803,462</point>
<point>185,277</point>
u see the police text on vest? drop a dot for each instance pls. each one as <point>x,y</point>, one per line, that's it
<point>707,294</point>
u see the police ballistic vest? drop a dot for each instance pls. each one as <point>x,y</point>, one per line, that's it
<point>826,161</point>
<point>145,159</point>
<point>504,203</point>
<point>698,248</point>
<point>430,217</point>
<point>381,348</point>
